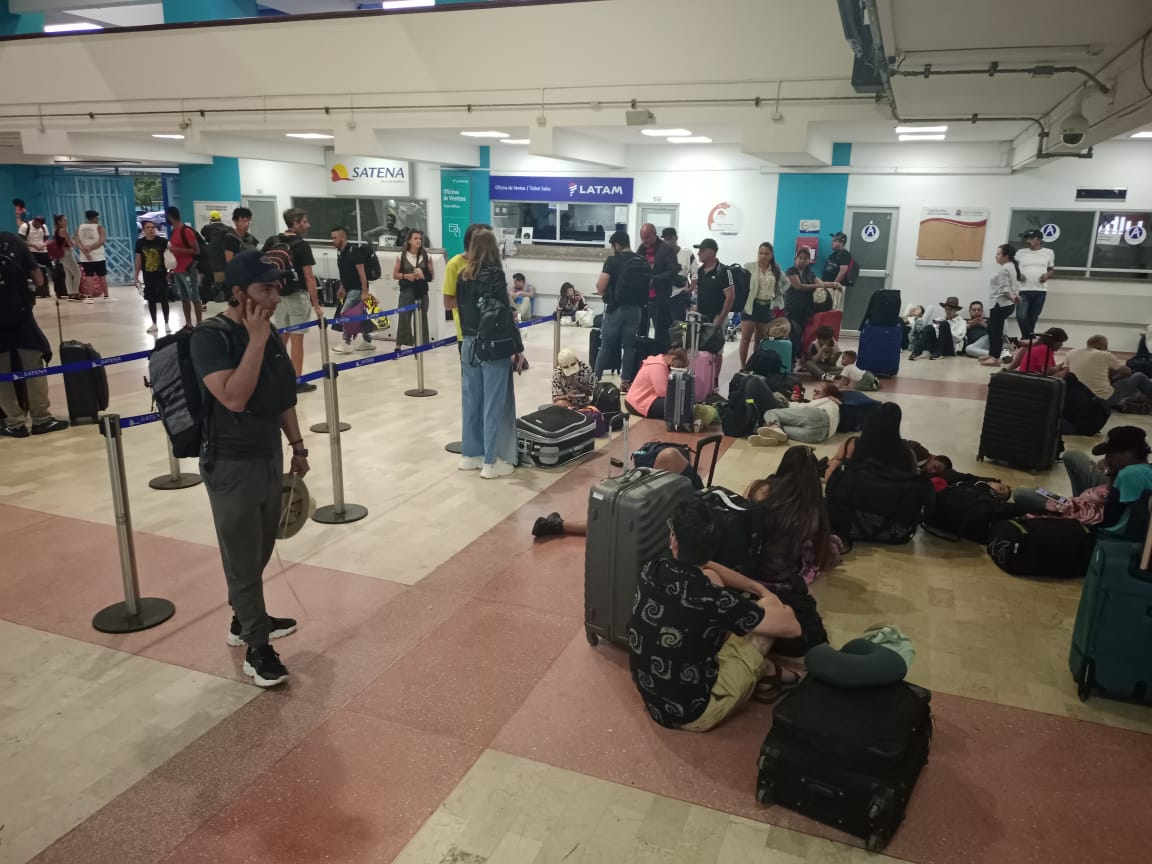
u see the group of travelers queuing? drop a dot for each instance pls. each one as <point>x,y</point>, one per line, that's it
<point>55,252</point>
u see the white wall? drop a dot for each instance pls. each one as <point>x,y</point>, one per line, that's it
<point>1120,310</point>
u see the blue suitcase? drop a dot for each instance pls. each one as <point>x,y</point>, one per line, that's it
<point>1112,636</point>
<point>880,350</point>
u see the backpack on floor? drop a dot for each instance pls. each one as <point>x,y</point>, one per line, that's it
<point>876,503</point>
<point>968,512</point>
<point>1046,547</point>
<point>739,416</point>
<point>176,391</point>
<point>606,398</point>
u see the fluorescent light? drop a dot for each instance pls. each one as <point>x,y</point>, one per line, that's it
<point>489,134</point>
<point>406,4</point>
<point>174,136</point>
<point>76,27</point>
<point>689,139</point>
<point>513,140</point>
<point>666,133</point>
<point>921,137</point>
<point>913,130</point>
<point>1142,134</point>
<point>309,136</point>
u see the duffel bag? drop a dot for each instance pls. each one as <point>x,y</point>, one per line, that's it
<point>1043,547</point>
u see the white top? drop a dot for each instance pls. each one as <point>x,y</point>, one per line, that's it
<point>831,408</point>
<point>89,234</point>
<point>959,332</point>
<point>1003,285</point>
<point>688,265</point>
<point>36,237</point>
<point>763,287</point>
<point>853,373</point>
<point>1034,263</point>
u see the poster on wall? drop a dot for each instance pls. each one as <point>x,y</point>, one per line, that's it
<point>455,208</point>
<point>725,219</point>
<point>356,176</point>
<point>202,212</point>
<point>951,236</point>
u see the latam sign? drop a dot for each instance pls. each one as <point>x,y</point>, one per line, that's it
<point>356,175</point>
<point>588,190</point>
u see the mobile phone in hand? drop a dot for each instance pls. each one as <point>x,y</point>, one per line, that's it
<point>1052,496</point>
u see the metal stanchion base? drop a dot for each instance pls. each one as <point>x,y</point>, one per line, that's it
<point>181,481</point>
<point>115,618</point>
<point>327,514</point>
<point>420,392</point>
<point>454,446</point>
<point>322,428</point>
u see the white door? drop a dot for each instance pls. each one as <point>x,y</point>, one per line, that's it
<point>661,215</point>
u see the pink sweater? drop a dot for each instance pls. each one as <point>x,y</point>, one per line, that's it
<point>650,384</point>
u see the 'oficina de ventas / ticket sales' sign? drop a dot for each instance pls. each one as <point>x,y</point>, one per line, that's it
<point>587,190</point>
<point>359,175</point>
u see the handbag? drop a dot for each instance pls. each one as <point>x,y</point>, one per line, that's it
<point>169,259</point>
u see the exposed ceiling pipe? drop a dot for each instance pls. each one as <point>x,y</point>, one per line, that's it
<point>993,69</point>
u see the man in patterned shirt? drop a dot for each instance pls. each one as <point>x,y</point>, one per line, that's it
<point>700,632</point>
<point>573,381</point>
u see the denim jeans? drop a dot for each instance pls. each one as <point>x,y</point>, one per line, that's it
<point>354,298</point>
<point>1135,383</point>
<point>489,406</point>
<point>618,336</point>
<point>1082,475</point>
<point>806,425</point>
<point>1028,311</point>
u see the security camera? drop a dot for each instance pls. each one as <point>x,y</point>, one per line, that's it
<point>1073,130</point>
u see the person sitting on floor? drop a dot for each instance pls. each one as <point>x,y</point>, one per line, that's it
<point>823,354</point>
<point>852,377</point>
<point>880,441</point>
<point>700,633</point>
<point>1039,354</point>
<point>522,296</point>
<point>649,388</point>
<point>1110,381</point>
<point>571,301</point>
<point>573,381</point>
<point>942,337</point>
<point>807,422</point>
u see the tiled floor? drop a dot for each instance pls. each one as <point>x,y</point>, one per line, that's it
<point>445,706</point>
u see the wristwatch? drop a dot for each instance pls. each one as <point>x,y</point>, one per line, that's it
<point>302,452</point>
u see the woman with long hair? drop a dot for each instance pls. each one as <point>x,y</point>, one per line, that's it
<point>765,299</point>
<point>413,270</point>
<point>1003,295</point>
<point>65,272</point>
<point>1039,355</point>
<point>488,398</point>
<point>880,440</point>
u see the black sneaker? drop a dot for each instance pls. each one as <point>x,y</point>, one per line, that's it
<point>306,387</point>
<point>915,355</point>
<point>14,431</point>
<point>50,425</point>
<point>263,666</point>
<point>548,526</point>
<point>281,627</point>
<point>935,356</point>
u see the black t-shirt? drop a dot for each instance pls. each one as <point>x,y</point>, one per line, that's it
<point>679,623</point>
<point>254,433</point>
<point>710,287</point>
<point>151,254</point>
<point>839,258</point>
<point>302,256</point>
<point>346,261</point>
<point>798,302</point>
<point>975,331</point>
<point>236,244</point>
<point>612,266</point>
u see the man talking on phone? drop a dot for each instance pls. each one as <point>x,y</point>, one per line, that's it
<point>250,400</point>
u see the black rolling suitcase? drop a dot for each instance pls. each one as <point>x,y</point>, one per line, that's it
<point>847,758</point>
<point>1022,421</point>
<point>554,435</point>
<point>87,391</point>
<point>627,528</point>
<point>883,309</point>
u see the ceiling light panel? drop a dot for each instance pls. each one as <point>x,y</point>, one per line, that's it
<point>310,136</point>
<point>486,134</point>
<point>172,136</point>
<point>689,139</point>
<point>666,133</point>
<point>513,140</point>
<point>914,130</point>
<point>1142,135</point>
<point>921,137</point>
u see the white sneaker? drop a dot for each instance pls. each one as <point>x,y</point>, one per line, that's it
<point>342,348</point>
<point>774,433</point>
<point>167,329</point>
<point>151,329</point>
<point>91,301</point>
<point>470,463</point>
<point>365,346</point>
<point>499,468</point>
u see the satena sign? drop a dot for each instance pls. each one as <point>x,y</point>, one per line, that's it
<point>591,190</point>
<point>358,175</point>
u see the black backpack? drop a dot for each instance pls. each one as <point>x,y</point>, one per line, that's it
<point>16,300</point>
<point>372,270</point>
<point>633,279</point>
<point>606,398</point>
<point>968,512</point>
<point>282,245</point>
<point>739,416</point>
<point>742,280</point>
<point>176,391</point>
<point>497,336</point>
<point>873,502</point>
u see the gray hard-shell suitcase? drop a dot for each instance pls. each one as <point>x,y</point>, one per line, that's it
<point>627,528</point>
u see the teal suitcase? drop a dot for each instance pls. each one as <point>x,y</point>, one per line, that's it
<point>782,348</point>
<point>1112,636</point>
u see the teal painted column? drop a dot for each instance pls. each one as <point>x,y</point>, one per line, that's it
<point>12,24</point>
<point>190,11</point>
<point>20,181</point>
<point>219,181</point>
<point>811,196</point>
<point>481,196</point>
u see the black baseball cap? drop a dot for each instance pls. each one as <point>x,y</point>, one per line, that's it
<point>707,243</point>
<point>1123,439</point>
<point>252,266</point>
<point>669,232</point>
<point>1033,233</point>
<point>839,235</point>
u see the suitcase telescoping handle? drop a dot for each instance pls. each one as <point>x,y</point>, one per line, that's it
<point>692,333</point>
<point>614,462</point>
<point>714,441</point>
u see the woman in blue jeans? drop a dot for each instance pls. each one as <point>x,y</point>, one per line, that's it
<point>489,400</point>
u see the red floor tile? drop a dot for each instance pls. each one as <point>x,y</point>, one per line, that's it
<point>15,520</point>
<point>355,790</point>
<point>1002,785</point>
<point>470,674</point>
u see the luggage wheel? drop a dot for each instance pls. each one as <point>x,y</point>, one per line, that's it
<point>764,795</point>
<point>875,842</point>
<point>1084,685</point>
<point>592,638</point>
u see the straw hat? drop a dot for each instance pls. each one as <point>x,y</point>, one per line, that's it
<point>296,506</point>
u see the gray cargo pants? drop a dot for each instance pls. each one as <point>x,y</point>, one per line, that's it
<point>245,499</point>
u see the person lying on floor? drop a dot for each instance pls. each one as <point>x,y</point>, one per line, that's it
<point>553,525</point>
<point>701,633</point>
<point>649,388</point>
<point>808,422</point>
<point>939,468</point>
<point>1104,493</point>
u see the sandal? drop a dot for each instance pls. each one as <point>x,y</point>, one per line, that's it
<point>773,685</point>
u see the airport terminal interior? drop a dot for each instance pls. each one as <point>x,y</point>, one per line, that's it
<point>444,704</point>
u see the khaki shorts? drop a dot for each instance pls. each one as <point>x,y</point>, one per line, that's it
<point>294,309</point>
<point>740,666</point>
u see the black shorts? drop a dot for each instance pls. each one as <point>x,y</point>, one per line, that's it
<point>94,268</point>
<point>763,313</point>
<point>155,287</point>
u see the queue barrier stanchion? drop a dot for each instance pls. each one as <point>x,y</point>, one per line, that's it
<point>135,613</point>
<point>322,427</point>
<point>339,512</point>
<point>421,390</point>
<point>556,337</point>
<point>175,478</point>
